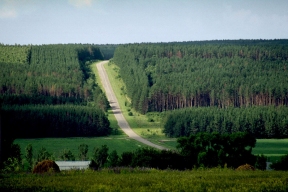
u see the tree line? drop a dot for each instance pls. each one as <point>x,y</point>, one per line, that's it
<point>200,150</point>
<point>34,121</point>
<point>261,121</point>
<point>50,91</point>
<point>166,76</point>
<point>52,71</point>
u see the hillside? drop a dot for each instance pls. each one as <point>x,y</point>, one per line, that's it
<point>222,74</point>
<point>50,91</point>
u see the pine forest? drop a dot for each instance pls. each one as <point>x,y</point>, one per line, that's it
<point>50,91</point>
<point>222,86</point>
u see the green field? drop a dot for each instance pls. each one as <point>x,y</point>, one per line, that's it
<point>129,179</point>
<point>272,148</point>
<point>56,145</point>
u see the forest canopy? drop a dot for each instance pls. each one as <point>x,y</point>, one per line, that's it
<point>50,91</point>
<point>222,74</point>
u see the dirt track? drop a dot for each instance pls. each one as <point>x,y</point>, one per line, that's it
<point>123,124</point>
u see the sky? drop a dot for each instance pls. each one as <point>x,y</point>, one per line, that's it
<point>136,21</point>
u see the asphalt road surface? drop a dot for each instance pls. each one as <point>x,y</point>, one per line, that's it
<point>123,124</point>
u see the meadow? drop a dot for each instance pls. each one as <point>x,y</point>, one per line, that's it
<point>272,148</point>
<point>140,179</point>
<point>120,143</point>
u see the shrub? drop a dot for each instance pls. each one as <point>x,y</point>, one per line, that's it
<point>130,113</point>
<point>245,167</point>
<point>261,162</point>
<point>281,165</point>
<point>150,120</point>
<point>46,166</point>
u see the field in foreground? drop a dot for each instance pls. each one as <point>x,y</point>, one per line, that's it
<point>272,148</point>
<point>148,180</point>
<point>55,146</point>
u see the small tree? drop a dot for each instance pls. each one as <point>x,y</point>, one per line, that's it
<point>67,155</point>
<point>126,159</point>
<point>29,156</point>
<point>43,154</point>
<point>13,163</point>
<point>113,159</point>
<point>99,157</point>
<point>261,162</point>
<point>281,165</point>
<point>83,150</point>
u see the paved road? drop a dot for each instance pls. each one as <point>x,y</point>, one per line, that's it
<point>123,124</point>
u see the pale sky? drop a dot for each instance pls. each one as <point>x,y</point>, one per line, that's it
<point>136,21</point>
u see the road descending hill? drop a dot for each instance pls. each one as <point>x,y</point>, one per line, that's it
<point>116,109</point>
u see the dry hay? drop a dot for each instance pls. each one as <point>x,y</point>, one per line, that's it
<point>46,166</point>
<point>245,167</point>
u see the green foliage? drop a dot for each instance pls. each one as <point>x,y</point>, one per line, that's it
<point>274,149</point>
<point>59,73</point>
<point>118,143</point>
<point>35,77</point>
<point>140,179</point>
<point>43,154</point>
<point>212,150</point>
<point>33,121</point>
<point>11,165</point>
<point>99,158</point>
<point>83,150</point>
<point>15,54</point>
<point>167,76</point>
<point>10,157</point>
<point>261,121</point>
<point>29,156</point>
<point>67,155</point>
<point>281,165</point>
<point>107,50</point>
<point>113,159</point>
<point>261,162</point>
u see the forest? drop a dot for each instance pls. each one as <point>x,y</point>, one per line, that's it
<point>240,74</point>
<point>50,91</point>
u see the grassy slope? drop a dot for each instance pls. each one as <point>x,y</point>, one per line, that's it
<point>138,122</point>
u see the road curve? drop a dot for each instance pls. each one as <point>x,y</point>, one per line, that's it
<point>123,124</point>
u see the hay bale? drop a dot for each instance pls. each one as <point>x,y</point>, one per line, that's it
<point>46,166</point>
<point>245,167</point>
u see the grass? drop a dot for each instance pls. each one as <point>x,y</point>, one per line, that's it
<point>147,126</point>
<point>272,148</point>
<point>111,117</point>
<point>127,179</point>
<point>57,145</point>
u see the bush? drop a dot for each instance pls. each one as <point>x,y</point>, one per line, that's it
<point>261,162</point>
<point>150,120</point>
<point>281,165</point>
<point>46,166</point>
<point>130,113</point>
<point>11,165</point>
